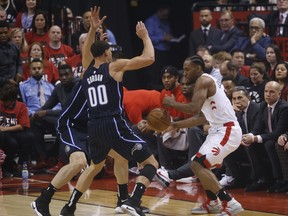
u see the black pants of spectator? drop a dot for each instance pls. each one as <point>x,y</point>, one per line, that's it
<point>168,158</point>
<point>196,137</point>
<point>283,158</point>
<point>271,151</point>
<point>234,163</point>
<point>39,128</point>
<point>261,168</point>
<point>14,143</point>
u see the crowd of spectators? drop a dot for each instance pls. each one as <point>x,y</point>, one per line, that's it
<point>42,69</point>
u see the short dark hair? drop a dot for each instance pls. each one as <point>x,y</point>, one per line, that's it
<point>241,88</point>
<point>98,48</point>
<point>4,23</point>
<point>229,78</point>
<point>231,66</point>
<point>169,69</point>
<point>36,60</point>
<point>205,8</point>
<point>64,67</point>
<point>236,51</point>
<point>9,92</point>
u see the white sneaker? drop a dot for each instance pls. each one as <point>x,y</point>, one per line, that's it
<point>134,170</point>
<point>226,180</point>
<point>233,207</point>
<point>156,185</point>
<point>208,207</point>
<point>187,180</point>
<point>162,177</point>
<point>188,188</point>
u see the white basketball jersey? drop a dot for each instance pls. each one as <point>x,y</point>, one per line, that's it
<point>218,109</point>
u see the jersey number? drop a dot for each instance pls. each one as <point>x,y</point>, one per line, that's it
<point>97,95</point>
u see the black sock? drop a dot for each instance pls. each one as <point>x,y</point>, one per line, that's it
<point>49,192</point>
<point>211,195</point>
<point>137,193</point>
<point>223,195</point>
<point>75,196</point>
<point>123,191</point>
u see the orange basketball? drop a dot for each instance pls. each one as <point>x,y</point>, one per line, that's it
<point>158,119</point>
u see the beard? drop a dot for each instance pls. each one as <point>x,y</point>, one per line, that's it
<point>38,77</point>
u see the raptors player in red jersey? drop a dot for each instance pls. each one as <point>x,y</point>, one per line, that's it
<point>209,103</point>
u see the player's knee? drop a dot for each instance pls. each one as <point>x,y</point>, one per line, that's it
<point>78,160</point>
<point>151,160</point>
<point>148,171</point>
<point>198,163</point>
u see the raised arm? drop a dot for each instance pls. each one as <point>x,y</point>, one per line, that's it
<point>95,22</point>
<point>145,59</point>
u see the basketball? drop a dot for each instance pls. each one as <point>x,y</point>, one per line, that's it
<point>158,119</point>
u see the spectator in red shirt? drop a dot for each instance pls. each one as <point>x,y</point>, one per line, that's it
<point>18,38</point>
<point>76,61</point>
<point>24,18</point>
<point>15,136</point>
<point>138,103</point>
<point>40,27</point>
<point>56,51</point>
<point>172,88</point>
<point>273,57</point>
<point>36,51</point>
<point>238,58</point>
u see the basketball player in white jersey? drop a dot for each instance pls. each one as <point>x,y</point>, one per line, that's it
<point>209,103</point>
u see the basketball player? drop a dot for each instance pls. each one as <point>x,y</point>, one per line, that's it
<point>72,129</point>
<point>108,127</point>
<point>224,136</point>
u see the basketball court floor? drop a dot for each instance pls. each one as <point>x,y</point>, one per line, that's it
<point>100,199</point>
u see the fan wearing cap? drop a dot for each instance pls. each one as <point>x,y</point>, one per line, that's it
<point>169,75</point>
<point>209,103</point>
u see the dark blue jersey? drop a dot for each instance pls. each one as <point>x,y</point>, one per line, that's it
<point>75,113</point>
<point>103,93</point>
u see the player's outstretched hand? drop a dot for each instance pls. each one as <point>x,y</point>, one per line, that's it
<point>95,20</point>
<point>141,30</point>
<point>168,101</point>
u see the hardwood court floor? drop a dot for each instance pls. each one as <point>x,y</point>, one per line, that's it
<point>100,199</point>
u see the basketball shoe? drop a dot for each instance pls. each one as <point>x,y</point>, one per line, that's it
<point>208,207</point>
<point>134,210</point>
<point>68,211</point>
<point>162,177</point>
<point>41,206</point>
<point>226,180</point>
<point>120,202</point>
<point>233,207</point>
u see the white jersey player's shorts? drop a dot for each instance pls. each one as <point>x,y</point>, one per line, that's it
<point>220,142</point>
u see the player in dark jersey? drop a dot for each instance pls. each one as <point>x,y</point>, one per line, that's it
<point>72,130</point>
<point>108,127</point>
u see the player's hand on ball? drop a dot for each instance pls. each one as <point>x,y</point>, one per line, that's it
<point>170,128</point>
<point>143,126</point>
<point>168,101</point>
<point>158,119</point>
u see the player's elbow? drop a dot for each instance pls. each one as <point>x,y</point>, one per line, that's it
<point>147,60</point>
<point>150,59</point>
